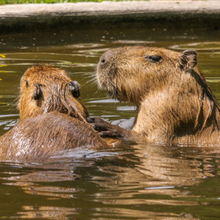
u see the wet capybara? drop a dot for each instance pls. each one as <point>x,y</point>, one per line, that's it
<point>52,118</point>
<point>174,102</point>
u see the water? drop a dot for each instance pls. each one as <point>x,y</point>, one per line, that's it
<point>147,181</point>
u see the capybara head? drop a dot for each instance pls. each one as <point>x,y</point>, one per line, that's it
<point>45,89</point>
<point>171,94</point>
<point>130,73</point>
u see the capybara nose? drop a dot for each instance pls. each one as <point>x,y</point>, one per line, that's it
<point>74,89</point>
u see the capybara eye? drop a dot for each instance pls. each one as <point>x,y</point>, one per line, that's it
<point>26,83</point>
<point>74,89</point>
<point>153,59</point>
<point>37,91</point>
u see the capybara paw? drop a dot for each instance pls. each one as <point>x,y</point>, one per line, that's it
<point>90,120</point>
<point>112,134</point>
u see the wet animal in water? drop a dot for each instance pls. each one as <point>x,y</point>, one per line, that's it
<point>52,118</point>
<point>174,103</point>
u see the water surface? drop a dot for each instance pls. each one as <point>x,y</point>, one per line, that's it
<point>146,181</point>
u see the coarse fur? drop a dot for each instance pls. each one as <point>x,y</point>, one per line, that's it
<point>52,118</point>
<point>175,104</point>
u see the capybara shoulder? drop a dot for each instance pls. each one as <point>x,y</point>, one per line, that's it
<point>175,104</point>
<point>38,138</point>
<point>44,89</point>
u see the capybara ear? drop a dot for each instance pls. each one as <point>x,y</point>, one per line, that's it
<point>74,89</point>
<point>187,60</point>
<point>26,83</point>
<point>37,91</point>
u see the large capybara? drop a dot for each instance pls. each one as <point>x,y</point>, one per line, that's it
<point>175,104</point>
<point>52,118</point>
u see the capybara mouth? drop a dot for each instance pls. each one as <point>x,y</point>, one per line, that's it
<point>102,84</point>
<point>112,89</point>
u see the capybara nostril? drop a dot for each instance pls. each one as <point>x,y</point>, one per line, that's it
<point>103,61</point>
<point>37,92</point>
<point>74,89</point>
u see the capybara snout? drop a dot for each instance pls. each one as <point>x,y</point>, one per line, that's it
<point>129,73</point>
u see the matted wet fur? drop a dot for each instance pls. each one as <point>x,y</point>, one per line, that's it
<point>175,104</point>
<point>52,118</point>
<point>38,138</point>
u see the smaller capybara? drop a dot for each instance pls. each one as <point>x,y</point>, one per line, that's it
<point>52,118</point>
<point>175,104</point>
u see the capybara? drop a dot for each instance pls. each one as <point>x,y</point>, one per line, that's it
<point>175,104</point>
<point>52,118</point>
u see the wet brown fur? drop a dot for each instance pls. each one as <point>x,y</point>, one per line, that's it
<point>40,137</point>
<point>175,104</point>
<point>51,119</point>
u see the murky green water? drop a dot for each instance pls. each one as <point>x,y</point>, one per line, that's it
<point>133,182</point>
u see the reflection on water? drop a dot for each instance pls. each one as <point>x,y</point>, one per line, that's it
<point>199,46</point>
<point>144,181</point>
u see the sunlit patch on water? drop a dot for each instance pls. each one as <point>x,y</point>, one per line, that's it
<point>8,124</point>
<point>127,108</point>
<point>9,116</point>
<point>105,101</point>
<point>83,153</point>
<point>213,79</point>
<point>159,187</point>
<point>84,46</point>
<point>135,42</point>
<point>48,212</point>
<point>199,46</point>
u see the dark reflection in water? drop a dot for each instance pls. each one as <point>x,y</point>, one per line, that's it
<point>141,181</point>
<point>144,181</point>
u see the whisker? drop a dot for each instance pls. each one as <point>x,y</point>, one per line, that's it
<point>15,101</point>
<point>92,81</point>
<point>98,89</point>
<point>90,76</point>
